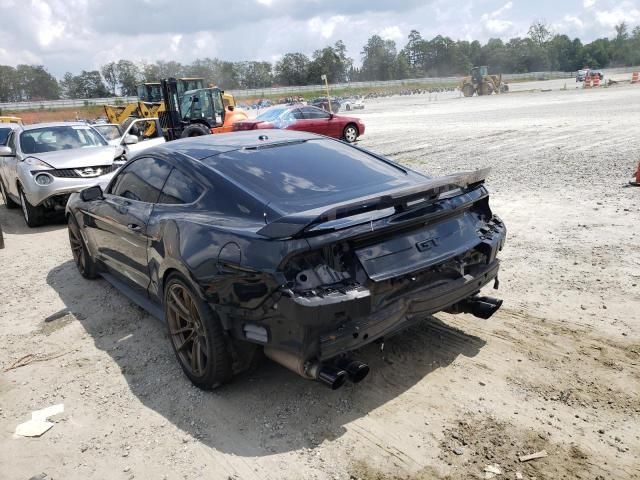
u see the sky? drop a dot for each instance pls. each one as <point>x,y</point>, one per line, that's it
<point>74,35</point>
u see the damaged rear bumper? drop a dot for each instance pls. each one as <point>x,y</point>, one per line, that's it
<point>402,313</point>
<point>332,325</point>
<point>359,319</point>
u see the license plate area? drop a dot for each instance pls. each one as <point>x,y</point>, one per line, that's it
<point>419,249</point>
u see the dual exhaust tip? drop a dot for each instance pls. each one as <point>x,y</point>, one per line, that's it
<point>335,376</point>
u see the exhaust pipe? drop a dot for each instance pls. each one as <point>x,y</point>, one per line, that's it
<point>356,370</point>
<point>333,377</point>
<point>484,307</point>
<point>481,307</point>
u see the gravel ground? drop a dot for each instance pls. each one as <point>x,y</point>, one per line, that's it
<point>556,369</point>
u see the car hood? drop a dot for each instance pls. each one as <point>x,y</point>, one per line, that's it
<point>79,157</point>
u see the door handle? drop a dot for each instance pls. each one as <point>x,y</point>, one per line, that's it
<point>134,228</point>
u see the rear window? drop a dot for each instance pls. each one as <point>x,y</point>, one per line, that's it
<point>306,175</point>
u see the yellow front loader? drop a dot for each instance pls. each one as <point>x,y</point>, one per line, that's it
<point>481,83</point>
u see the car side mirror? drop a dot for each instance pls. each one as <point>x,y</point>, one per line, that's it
<point>130,139</point>
<point>5,151</point>
<point>331,115</point>
<point>92,193</point>
<point>231,108</point>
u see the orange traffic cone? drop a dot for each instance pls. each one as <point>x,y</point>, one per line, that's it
<point>636,183</point>
<point>587,83</point>
<point>635,77</point>
<point>596,81</point>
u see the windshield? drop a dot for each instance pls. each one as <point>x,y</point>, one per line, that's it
<point>271,114</point>
<point>66,137</point>
<point>4,135</point>
<point>304,175</point>
<point>110,132</point>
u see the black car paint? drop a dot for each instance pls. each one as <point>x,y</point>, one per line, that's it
<point>242,272</point>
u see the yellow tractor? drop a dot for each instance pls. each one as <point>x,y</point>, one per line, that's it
<point>17,120</point>
<point>482,83</point>
<point>151,105</point>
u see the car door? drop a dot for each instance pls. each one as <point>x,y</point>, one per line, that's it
<point>316,120</point>
<point>293,120</point>
<point>148,132</point>
<point>10,166</point>
<point>118,226</point>
<point>180,192</point>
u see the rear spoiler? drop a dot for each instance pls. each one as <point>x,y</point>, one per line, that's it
<point>296,223</point>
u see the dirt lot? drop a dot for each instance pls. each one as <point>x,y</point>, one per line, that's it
<point>557,368</point>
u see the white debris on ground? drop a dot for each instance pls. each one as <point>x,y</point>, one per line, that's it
<point>39,424</point>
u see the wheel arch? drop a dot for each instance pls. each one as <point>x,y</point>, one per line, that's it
<point>175,268</point>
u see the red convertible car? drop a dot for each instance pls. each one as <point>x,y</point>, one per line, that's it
<point>306,119</point>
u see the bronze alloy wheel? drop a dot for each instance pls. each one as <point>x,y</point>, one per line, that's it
<point>86,266</point>
<point>77,248</point>
<point>187,330</point>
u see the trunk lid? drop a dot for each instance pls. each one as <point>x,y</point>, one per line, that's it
<point>419,249</point>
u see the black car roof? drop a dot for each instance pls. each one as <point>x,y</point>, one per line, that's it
<point>206,146</point>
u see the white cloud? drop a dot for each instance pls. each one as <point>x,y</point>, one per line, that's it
<point>588,3</point>
<point>326,27</point>
<point>625,12</point>
<point>48,29</point>
<point>391,33</point>
<point>494,24</point>
<point>175,43</point>
<point>575,21</point>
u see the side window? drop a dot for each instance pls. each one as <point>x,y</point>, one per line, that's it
<point>141,180</point>
<point>179,189</point>
<point>291,116</point>
<point>314,113</point>
<point>5,133</point>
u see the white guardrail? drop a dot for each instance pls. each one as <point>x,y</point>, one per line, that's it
<point>81,102</point>
<point>259,92</point>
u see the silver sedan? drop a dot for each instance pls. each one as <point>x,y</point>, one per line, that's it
<point>42,164</point>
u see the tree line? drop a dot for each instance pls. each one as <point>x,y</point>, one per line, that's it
<point>540,50</point>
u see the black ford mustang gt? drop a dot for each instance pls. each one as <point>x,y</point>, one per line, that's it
<point>298,245</point>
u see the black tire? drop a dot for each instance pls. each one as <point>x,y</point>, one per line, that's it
<point>468,90</point>
<point>196,336</point>
<point>8,202</point>
<point>350,133</point>
<point>81,256</point>
<point>33,216</point>
<point>195,130</point>
<point>486,88</point>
